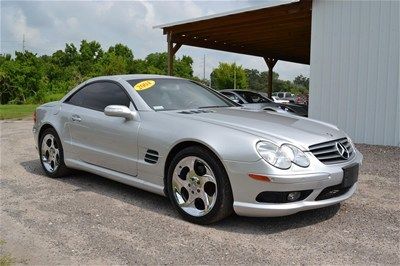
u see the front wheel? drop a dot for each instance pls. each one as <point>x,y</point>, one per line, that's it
<point>198,186</point>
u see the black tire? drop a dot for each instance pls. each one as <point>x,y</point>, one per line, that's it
<point>223,206</point>
<point>61,170</point>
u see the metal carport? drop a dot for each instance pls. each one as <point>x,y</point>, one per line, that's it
<point>275,33</point>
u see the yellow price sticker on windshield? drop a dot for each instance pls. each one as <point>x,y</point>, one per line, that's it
<point>144,85</point>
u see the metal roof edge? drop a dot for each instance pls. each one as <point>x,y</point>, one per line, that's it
<point>234,12</point>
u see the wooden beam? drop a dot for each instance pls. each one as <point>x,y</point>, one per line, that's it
<point>264,23</point>
<point>251,36</point>
<point>170,55</point>
<point>176,48</point>
<point>270,63</point>
<point>261,51</point>
<point>268,13</point>
<point>172,49</point>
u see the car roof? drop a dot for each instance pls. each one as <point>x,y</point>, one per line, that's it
<point>233,90</point>
<point>133,76</point>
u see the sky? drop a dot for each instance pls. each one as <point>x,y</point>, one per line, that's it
<point>49,25</point>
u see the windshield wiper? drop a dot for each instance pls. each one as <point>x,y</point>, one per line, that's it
<point>212,106</point>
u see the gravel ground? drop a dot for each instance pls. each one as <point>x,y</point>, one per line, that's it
<point>87,219</point>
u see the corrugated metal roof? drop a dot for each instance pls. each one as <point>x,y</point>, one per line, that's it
<point>223,14</point>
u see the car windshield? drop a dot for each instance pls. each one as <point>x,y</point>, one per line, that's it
<point>163,94</point>
<point>252,97</point>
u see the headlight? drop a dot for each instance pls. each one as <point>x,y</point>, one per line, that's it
<point>282,157</point>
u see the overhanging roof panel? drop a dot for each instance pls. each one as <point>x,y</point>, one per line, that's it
<point>282,32</point>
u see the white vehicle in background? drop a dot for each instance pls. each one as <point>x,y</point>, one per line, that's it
<point>277,100</point>
<point>283,95</point>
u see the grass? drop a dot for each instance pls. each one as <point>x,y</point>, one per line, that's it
<point>5,259</point>
<point>16,111</point>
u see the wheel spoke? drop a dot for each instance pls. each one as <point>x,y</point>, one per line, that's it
<point>189,202</point>
<point>207,200</point>
<point>45,149</point>
<point>207,178</point>
<point>179,183</point>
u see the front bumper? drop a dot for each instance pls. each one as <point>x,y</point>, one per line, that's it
<point>316,177</point>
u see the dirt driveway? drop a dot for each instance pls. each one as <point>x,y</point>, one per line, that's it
<point>88,219</point>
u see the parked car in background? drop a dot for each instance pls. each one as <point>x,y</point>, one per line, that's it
<point>298,109</point>
<point>302,99</point>
<point>252,100</point>
<point>276,99</point>
<point>210,156</point>
<point>283,95</point>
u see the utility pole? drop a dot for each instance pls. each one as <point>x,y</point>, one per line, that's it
<point>204,67</point>
<point>23,43</point>
<point>234,77</point>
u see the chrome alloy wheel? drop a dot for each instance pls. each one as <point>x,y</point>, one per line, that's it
<point>50,153</point>
<point>194,186</point>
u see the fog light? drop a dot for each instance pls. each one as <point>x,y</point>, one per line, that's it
<point>293,196</point>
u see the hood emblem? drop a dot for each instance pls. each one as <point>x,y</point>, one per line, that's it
<point>342,150</point>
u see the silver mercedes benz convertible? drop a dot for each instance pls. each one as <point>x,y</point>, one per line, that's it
<point>209,155</point>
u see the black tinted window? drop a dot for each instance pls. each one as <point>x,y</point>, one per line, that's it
<point>252,97</point>
<point>77,98</point>
<point>98,95</point>
<point>232,96</point>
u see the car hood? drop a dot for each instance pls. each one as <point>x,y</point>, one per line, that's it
<point>280,128</point>
<point>258,106</point>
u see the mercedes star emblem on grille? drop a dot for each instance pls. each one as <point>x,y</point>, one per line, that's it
<point>342,150</point>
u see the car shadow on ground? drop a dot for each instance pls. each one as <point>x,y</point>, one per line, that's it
<point>84,181</point>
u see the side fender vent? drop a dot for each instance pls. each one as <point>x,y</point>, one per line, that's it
<point>151,156</point>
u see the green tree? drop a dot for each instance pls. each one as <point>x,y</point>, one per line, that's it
<point>302,81</point>
<point>223,77</point>
<point>122,51</point>
<point>258,81</point>
<point>90,55</point>
<point>29,78</point>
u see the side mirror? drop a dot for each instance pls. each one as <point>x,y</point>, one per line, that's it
<point>236,100</point>
<point>121,111</point>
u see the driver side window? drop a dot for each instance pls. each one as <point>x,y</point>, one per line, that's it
<point>232,97</point>
<point>98,95</point>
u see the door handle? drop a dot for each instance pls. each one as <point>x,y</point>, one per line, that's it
<point>76,118</point>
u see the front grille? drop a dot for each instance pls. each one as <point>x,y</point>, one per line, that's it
<point>327,152</point>
<point>332,192</point>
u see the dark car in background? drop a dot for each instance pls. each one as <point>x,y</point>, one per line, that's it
<point>252,100</point>
<point>291,106</point>
<point>260,100</point>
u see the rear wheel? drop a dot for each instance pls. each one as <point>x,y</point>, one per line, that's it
<point>51,154</point>
<point>198,186</point>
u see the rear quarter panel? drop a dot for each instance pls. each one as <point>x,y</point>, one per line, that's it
<point>51,114</point>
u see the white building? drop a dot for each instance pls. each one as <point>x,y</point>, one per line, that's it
<point>354,68</point>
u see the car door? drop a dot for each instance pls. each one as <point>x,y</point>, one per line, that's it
<point>100,140</point>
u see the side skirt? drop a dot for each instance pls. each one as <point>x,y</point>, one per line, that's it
<point>116,176</point>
